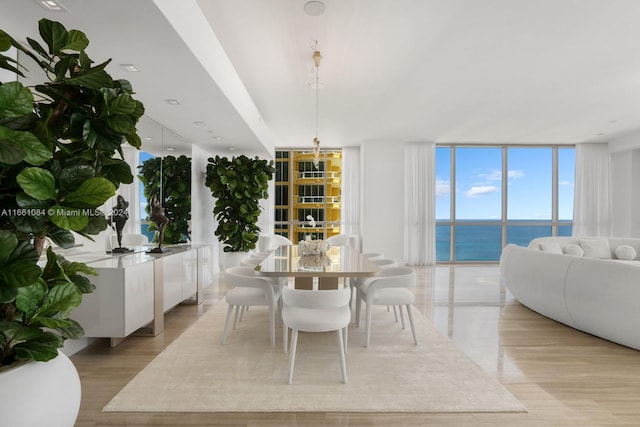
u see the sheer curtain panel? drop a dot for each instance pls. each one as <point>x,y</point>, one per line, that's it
<point>351,193</point>
<point>419,212</point>
<point>592,199</point>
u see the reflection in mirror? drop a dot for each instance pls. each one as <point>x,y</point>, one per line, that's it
<point>164,170</point>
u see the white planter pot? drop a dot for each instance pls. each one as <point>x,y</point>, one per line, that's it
<point>40,394</point>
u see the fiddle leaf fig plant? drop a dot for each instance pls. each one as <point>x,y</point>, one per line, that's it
<point>60,160</point>
<point>238,184</point>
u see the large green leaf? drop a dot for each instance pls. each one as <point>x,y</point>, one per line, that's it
<point>42,349</point>
<point>73,176</point>
<point>21,145</point>
<point>92,193</point>
<point>36,153</point>
<point>61,298</point>
<point>121,123</point>
<point>15,100</point>
<point>68,218</point>
<point>93,78</point>
<point>11,153</point>
<point>38,183</point>
<point>77,41</point>
<point>30,297</point>
<point>54,34</point>
<point>122,104</point>
<point>118,172</point>
<point>8,242</point>
<point>19,274</point>
<point>29,224</point>
<point>61,237</point>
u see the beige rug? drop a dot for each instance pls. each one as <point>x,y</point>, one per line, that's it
<point>196,374</point>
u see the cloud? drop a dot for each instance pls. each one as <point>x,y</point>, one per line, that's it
<point>443,187</point>
<point>481,190</point>
<point>496,175</point>
<point>515,174</point>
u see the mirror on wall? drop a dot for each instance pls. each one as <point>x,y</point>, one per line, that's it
<point>164,167</point>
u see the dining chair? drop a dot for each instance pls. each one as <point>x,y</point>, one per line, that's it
<point>391,288</point>
<point>271,242</point>
<point>373,255</point>
<point>250,290</point>
<point>350,240</point>
<point>316,311</point>
<point>355,282</point>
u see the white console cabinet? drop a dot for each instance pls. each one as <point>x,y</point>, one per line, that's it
<point>135,290</point>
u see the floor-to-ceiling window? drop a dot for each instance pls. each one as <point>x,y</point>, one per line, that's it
<point>304,191</point>
<point>489,196</point>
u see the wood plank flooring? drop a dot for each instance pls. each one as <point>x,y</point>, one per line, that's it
<point>563,377</point>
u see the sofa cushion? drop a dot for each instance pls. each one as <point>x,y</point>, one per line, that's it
<point>596,248</point>
<point>551,247</point>
<point>573,249</point>
<point>625,252</point>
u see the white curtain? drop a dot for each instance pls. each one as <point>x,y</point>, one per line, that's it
<point>350,214</point>
<point>592,195</point>
<point>419,196</point>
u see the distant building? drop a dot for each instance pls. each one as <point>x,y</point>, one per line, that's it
<point>302,190</point>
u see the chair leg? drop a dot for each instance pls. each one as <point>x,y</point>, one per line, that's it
<point>242,310</point>
<point>272,326</point>
<point>346,339</point>
<point>292,354</point>
<point>367,326</point>
<point>235,320</point>
<point>226,324</point>
<point>358,306</point>
<point>413,328</point>
<point>285,336</point>
<point>395,312</point>
<point>343,365</point>
<point>401,316</point>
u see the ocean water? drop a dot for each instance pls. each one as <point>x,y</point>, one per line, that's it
<point>484,242</point>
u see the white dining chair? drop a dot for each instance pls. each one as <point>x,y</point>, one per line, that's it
<point>271,242</point>
<point>390,288</point>
<point>316,311</point>
<point>350,240</point>
<point>250,290</point>
<point>355,282</point>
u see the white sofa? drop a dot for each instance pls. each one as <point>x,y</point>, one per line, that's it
<point>600,296</point>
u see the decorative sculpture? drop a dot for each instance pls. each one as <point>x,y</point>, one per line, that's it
<point>118,218</point>
<point>157,215</point>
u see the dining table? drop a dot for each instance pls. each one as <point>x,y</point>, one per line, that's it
<point>325,270</point>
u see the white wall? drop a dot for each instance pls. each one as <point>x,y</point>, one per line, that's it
<point>383,198</point>
<point>203,224</point>
<point>625,185</point>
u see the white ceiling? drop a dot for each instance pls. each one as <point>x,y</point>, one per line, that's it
<point>470,71</point>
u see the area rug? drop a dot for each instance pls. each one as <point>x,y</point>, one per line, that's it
<point>198,374</point>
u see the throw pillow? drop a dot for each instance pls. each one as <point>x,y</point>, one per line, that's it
<point>573,249</point>
<point>625,252</point>
<point>596,248</point>
<point>553,248</point>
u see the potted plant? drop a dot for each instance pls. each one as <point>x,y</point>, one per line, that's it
<point>58,165</point>
<point>238,184</point>
<point>175,186</point>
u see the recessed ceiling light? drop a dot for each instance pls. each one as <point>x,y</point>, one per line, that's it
<point>314,8</point>
<point>198,123</point>
<point>600,133</point>
<point>169,148</point>
<point>231,149</point>
<point>52,5</point>
<point>172,101</point>
<point>130,67</point>
<point>218,138</point>
<point>147,138</point>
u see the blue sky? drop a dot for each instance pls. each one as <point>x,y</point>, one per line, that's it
<point>479,183</point>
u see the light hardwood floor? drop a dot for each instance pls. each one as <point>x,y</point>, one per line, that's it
<point>563,377</point>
